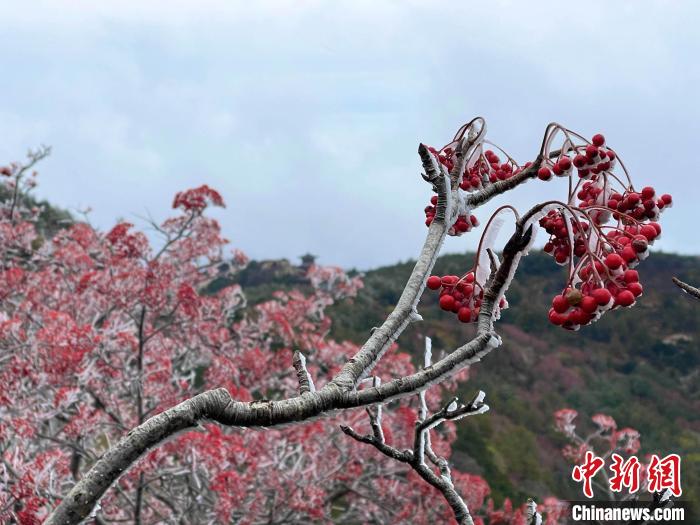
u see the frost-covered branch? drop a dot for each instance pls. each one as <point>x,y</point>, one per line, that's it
<point>691,290</point>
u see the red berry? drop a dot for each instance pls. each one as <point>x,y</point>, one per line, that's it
<point>560,304</point>
<point>628,254</point>
<point>598,140</point>
<point>544,173</point>
<point>464,314</point>
<point>434,282</point>
<point>564,163</point>
<point>602,296</point>
<point>447,302</point>
<point>556,318</point>
<point>635,288</point>
<point>625,298</point>
<point>580,161</point>
<point>631,276</point>
<point>613,261</point>
<point>666,198</point>
<point>648,193</point>
<point>589,304</point>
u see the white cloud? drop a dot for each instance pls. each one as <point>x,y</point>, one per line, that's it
<point>307,114</point>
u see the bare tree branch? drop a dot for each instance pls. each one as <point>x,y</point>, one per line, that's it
<point>695,292</point>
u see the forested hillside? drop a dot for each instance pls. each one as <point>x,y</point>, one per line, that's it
<point>640,365</point>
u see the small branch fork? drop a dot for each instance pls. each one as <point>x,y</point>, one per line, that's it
<point>341,392</point>
<point>416,458</point>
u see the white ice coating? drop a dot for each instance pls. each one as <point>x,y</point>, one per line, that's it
<point>376,383</point>
<point>302,361</point>
<point>481,410</point>
<point>452,406</point>
<point>488,241</point>
<point>428,355</point>
<point>479,397</point>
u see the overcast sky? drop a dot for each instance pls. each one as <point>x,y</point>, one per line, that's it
<point>306,115</point>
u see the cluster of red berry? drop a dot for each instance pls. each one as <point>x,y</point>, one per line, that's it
<point>589,160</point>
<point>462,296</point>
<point>562,232</point>
<point>486,170</point>
<point>601,254</point>
<point>602,278</point>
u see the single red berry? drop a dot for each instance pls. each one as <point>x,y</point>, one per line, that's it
<point>564,163</point>
<point>630,276</point>
<point>625,298</point>
<point>556,318</point>
<point>628,254</point>
<point>635,288</point>
<point>667,199</point>
<point>580,161</point>
<point>602,296</point>
<point>447,302</point>
<point>544,173</point>
<point>613,261</point>
<point>598,140</point>
<point>464,314</point>
<point>648,231</point>
<point>434,282</point>
<point>648,192</point>
<point>589,304</point>
<point>560,304</point>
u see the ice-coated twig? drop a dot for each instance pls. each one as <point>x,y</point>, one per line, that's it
<point>532,517</point>
<point>691,290</point>
<point>453,410</point>
<point>306,383</point>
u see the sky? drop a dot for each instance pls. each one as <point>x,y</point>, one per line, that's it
<point>306,115</point>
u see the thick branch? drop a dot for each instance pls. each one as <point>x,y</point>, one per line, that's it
<point>383,337</point>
